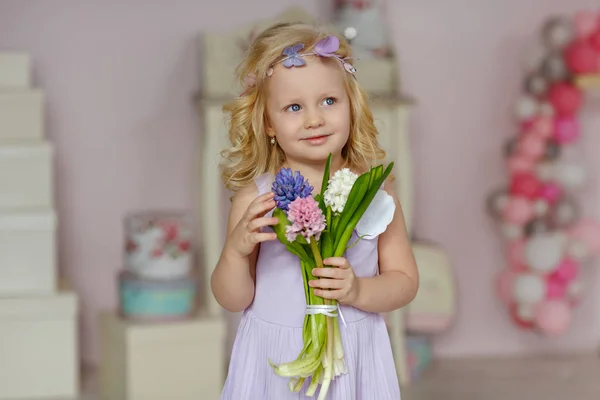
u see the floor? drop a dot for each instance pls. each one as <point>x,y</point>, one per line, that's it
<point>548,378</point>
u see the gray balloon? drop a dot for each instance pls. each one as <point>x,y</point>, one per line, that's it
<point>554,68</point>
<point>537,226</point>
<point>552,151</point>
<point>558,32</point>
<point>564,213</point>
<point>494,202</point>
<point>536,85</point>
<point>510,146</point>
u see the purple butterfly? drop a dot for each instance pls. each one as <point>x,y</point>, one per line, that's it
<point>327,47</point>
<point>293,59</point>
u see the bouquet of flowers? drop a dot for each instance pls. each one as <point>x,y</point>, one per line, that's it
<point>315,228</point>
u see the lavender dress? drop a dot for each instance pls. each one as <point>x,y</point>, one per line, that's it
<point>271,328</point>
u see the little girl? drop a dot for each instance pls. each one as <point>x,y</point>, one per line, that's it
<point>302,102</point>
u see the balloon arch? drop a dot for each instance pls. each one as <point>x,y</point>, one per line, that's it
<point>547,239</point>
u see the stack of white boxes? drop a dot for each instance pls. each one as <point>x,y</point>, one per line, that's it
<point>38,317</point>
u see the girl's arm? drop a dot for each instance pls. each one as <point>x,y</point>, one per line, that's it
<point>232,281</point>
<point>398,279</point>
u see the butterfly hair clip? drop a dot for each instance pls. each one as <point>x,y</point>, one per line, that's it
<point>325,47</point>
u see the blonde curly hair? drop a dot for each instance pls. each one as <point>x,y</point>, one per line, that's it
<point>251,153</point>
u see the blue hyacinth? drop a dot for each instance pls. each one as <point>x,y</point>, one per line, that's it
<point>288,186</point>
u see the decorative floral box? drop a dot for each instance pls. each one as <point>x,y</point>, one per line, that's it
<point>156,300</point>
<point>158,244</point>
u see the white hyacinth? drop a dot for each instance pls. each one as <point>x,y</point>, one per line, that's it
<point>338,189</point>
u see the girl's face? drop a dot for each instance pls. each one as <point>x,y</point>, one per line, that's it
<point>308,110</point>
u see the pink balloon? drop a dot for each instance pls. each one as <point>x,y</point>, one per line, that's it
<point>566,130</point>
<point>565,98</point>
<point>531,146</point>
<point>514,252</point>
<point>550,192</point>
<point>567,270</point>
<point>580,57</point>
<point>518,267</point>
<point>553,317</point>
<point>543,127</point>
<point>555,288</point>
<point>585,23</point>
<point>518,210</point>
<point>505,284</point>
<point>587,231</point>
<point>517,163</point>
<point>527,125</point>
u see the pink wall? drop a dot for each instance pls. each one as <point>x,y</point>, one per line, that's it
<point>119,79</point>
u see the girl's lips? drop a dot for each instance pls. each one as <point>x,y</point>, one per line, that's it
<point>317,140</point>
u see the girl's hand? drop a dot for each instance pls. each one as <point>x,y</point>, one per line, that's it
<point>246,235</point>
<point>339,278</point>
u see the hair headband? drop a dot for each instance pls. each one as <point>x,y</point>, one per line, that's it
<point>325,47</point>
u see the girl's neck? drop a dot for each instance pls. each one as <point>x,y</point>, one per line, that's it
<point>313,172</point>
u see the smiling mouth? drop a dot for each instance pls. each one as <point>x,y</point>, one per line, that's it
<point>317,137</point>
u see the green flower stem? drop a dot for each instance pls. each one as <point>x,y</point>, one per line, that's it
<point>314,246</point>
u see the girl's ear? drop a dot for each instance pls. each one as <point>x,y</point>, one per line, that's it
<point>270,132</point>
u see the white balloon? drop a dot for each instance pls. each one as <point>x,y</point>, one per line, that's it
<point>544,251</point>
<point>571,175</point>
<point>529,289</point>
<point>526,107</point>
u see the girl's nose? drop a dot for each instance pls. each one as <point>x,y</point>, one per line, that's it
<point>314,120</point>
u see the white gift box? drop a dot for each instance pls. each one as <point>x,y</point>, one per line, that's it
<point>14,70</point>
<point>27,253</point>
<point>26,175</point>
<point>158,361</point>
<point>21,115</point>
<point>39,347</point>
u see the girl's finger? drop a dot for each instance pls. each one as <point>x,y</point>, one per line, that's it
<point>259,237</point>
<point>328,294</point>
<point>327,283</point>
<point>335,273</point>
<point>259,209</point>
<point>261,222</point>
<point>337,262</point>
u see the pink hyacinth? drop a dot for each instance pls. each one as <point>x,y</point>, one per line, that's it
<point>306,217</point>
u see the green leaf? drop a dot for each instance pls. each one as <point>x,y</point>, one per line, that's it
<point>358,191</point>
<point>325,182</point>
<point>327,237</point>
<point>342,240</point>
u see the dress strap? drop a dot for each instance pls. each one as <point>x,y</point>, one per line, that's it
<point>263,183</point>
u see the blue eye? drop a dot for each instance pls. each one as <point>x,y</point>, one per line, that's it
<point>330,101</point>
<point>294,107</point>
